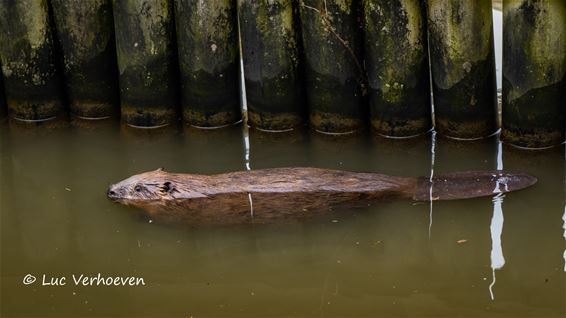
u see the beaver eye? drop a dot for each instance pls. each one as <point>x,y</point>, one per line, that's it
<point>138,188</point>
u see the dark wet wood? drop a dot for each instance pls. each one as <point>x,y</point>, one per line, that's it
<point>269,195</point>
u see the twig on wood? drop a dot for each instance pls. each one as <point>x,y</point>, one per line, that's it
<point>326,21</point>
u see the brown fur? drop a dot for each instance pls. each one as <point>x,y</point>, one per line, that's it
<point>263,196</point>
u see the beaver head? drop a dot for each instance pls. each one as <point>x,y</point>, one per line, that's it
<point>151,186</point>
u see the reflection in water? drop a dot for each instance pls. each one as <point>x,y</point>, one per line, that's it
<point>251,205</point>
<point>496,227</point>
<point>246,135</point>
<point>564,226</point>
<point>497,259</point>
<point>432,157</point>
<point>499,154</point>
<point>244,105</point>
<point>245,130</point>
<point>247,146</point>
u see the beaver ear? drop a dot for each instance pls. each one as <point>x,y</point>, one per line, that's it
<point>167,187</point>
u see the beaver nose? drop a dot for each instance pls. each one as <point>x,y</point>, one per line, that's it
<point>111,193</point>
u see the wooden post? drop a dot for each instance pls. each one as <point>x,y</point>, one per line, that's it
<point>32,84</point>
<point>534,70</point>
<point>331,31</point>
<point>207,37</point>
<point>396,58</point>
<point>463,68</point>
<point>146,61</point>
<point>85,31</point>
<point>272,66</point>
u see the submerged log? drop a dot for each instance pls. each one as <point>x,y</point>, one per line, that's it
<point>396,59</point>
<point>272,63</point>
<point>146,61</point>
<point>270,195</point>
<point>85,31</point>
<point>33,86</point>
<point>534,73</point>
<point>463,68</point>
<point>207,40</point>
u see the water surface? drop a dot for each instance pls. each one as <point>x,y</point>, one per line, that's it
<point>479,257</point>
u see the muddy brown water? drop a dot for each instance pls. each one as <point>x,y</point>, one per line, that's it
<point>485,257</point>
<point>478,257</point>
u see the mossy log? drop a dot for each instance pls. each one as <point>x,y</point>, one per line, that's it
<point>396,59</point>
<point>146,61</point>
<point>32,83</point>
<point>331,32</point>
<point>207,39</point>
<point>463,67</point>
<point>85,31</point>
<point>272,65</point>
<point>534,69</point>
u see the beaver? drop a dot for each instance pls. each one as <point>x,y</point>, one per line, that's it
<point>269,195</point>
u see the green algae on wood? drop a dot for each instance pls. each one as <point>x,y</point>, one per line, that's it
<point>146,61</point>
<point>272,63</point>
<point>207,40</point>
<point>396,60</point>
<point>534,70</point>
<point>331,32</point>
<point>85,31</point>
<point>32,84</point>
<point>463,67</point>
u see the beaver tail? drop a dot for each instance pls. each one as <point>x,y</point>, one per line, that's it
<point>470,184</point>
